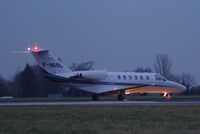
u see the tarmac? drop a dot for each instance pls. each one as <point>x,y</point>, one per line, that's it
<point>104,103</point>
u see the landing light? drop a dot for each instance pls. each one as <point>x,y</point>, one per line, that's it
<point>165,94</point>
<point>127,92</point>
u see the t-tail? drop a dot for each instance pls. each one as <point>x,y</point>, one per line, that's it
<point>48,63</point>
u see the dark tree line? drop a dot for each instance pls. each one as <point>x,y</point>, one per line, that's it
<point>30,82</point>
<point>84,66</point>
<point>163,65</point>
<point>3,87</point>
<point>141,70</point>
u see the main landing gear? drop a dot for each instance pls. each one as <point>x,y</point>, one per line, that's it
<point>95,97</point>
<point>121,96</point>
<point>167,96</point>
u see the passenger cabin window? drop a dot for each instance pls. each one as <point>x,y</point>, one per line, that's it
<point>141,77</point>
<point>124,76</point>
<point>135,77</point>
<point>147,77</point>
<point>130,77</point>
<point>118,77</point>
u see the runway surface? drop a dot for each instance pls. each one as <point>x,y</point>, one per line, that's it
<point>102,103</point>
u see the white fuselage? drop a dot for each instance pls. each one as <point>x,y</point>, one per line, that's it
<point>131,82</point>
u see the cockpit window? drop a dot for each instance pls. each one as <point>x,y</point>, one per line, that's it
<point>158,77</point>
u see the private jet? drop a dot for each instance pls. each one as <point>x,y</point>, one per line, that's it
<point>100,82</point>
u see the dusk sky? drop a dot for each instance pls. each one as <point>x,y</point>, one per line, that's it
<point>117,35</point>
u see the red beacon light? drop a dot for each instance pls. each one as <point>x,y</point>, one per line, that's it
<point>35,48</point>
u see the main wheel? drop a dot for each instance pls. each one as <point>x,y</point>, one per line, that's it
<point>95,97</point>
<point>121,95</point>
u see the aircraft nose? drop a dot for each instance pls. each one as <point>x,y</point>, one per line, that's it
<point>180,86</point>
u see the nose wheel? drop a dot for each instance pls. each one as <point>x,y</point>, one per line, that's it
<point>167,96</point>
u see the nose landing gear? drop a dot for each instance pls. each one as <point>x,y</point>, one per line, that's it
<point>167,96</point>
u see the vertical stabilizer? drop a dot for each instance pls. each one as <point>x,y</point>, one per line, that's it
<point>49,63</point>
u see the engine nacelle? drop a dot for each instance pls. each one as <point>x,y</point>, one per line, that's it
<point>93,75</point>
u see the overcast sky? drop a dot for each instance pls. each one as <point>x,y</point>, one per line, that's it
<point>117,35</point>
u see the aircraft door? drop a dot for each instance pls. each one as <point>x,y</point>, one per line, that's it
<point>111,78</point>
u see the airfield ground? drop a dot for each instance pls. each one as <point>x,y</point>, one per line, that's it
<point>107,98</point>
<point>100,120</point>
